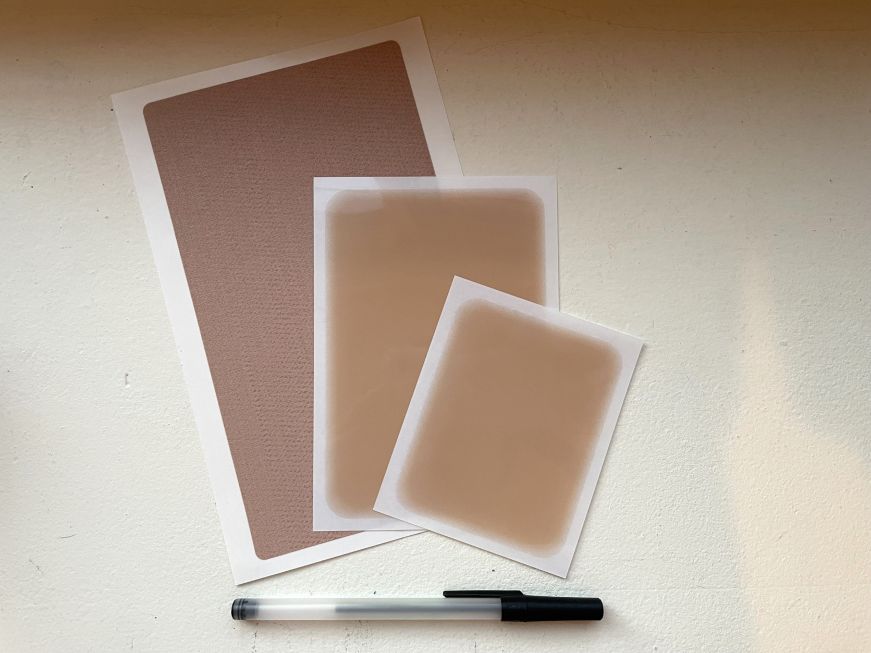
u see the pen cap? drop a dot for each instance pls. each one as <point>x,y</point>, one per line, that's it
<point>517,606</point>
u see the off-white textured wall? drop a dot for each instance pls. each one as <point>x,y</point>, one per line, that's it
<point>714,163</point>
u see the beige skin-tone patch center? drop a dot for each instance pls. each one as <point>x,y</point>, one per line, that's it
<point>391,258</point>
<point>509,427</point>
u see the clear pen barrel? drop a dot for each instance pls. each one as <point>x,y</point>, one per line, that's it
<point>315,609</point>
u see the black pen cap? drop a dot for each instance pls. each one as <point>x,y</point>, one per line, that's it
<point>517,606</point>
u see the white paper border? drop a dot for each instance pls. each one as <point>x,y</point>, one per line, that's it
<point>245,564</point>
<point>462,291</point>
<point>325,188</point>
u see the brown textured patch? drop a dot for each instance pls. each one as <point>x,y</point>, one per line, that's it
<point>237,161</point>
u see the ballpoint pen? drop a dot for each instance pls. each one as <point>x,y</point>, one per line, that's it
<point>495,605</point>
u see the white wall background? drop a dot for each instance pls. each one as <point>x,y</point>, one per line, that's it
<point>714,161</point>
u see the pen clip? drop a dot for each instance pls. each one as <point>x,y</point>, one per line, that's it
<point>481,594</point>
<point>517,606</point>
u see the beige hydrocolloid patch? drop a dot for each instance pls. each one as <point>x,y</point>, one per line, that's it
<point>392,256</point>
<point>509,428</point>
